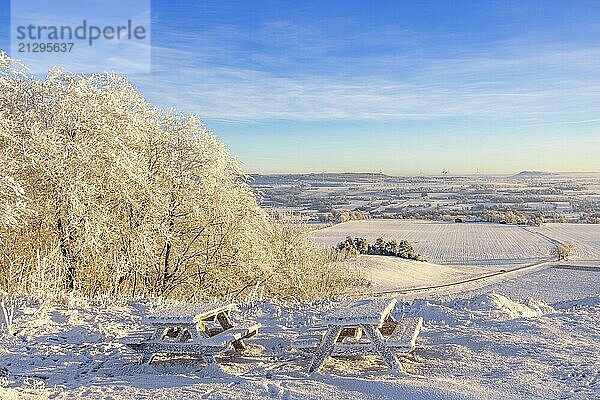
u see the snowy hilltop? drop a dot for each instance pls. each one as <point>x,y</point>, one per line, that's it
<point>483,347</point>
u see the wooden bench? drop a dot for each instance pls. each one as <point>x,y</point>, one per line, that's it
<point>405,334</point>
<point>187,330</point>
<point>152,347</point>
<point>309,341</point>
<point>358,328</point>
<point>403,337</point>
<point>137,337</point>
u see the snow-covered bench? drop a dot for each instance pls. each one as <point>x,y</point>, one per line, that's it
<point>310,340</point>
<point>234,335</point>
<point>405,334</point>
<point>137,337</point>
<point>185,330</point>
<point>361,327</point>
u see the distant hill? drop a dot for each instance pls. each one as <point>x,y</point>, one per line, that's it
<point>533,174</point>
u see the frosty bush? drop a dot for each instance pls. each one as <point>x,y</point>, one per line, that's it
<point>125,199</point>
<point>7,313</point>
<point>355,246</point>
<point>565,250</point>
<point>307,272</point>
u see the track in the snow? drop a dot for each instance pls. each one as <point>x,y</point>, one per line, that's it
<point>478,278</point>
<point>446,285</point>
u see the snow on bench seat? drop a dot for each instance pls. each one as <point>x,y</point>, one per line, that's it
<point>358,348</point>
<point>179,348</point>
<point>234,334</point>
<point>137,337</point>
<point>309,340</point>
<point>212,345</point>
<point>405,334</point>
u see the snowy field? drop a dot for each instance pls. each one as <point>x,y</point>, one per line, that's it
<point>473,244</point>
<point>483,347</point>
<point>586,237</point>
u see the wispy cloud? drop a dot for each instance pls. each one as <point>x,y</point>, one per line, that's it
<point>516,83</point>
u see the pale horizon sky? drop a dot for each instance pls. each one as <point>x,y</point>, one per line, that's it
<point>403,88</point>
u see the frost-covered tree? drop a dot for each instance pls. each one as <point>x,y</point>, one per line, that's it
<point>125,199</point>
<point>565,250</point>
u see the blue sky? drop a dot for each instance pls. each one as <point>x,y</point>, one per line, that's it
<point>398,87</point>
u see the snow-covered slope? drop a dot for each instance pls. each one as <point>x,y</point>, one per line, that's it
<point>397,273</point>
<point>475,344</point>
<point>551,283</point>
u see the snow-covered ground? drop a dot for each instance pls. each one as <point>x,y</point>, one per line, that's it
<point>474,244</point>
<point>529,333</point>
<point>398,273</point>
<point>483,347</point>
<point>552,283</point>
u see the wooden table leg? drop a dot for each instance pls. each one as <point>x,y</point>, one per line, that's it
<point>147,358</point>
<point>382,349</point>
<point>195,335</point>
<point>225,322</point>
<point>181,335</point>
<point>239,344</point>
<point>325,348</point>
<point>159,333</point>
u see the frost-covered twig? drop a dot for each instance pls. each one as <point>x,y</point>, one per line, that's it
<point>7,313</point>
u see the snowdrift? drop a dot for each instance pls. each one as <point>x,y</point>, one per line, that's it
<point>486,307</point>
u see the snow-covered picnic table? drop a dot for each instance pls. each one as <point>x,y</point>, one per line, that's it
<point>361,327</point>
<point>195,329</point>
